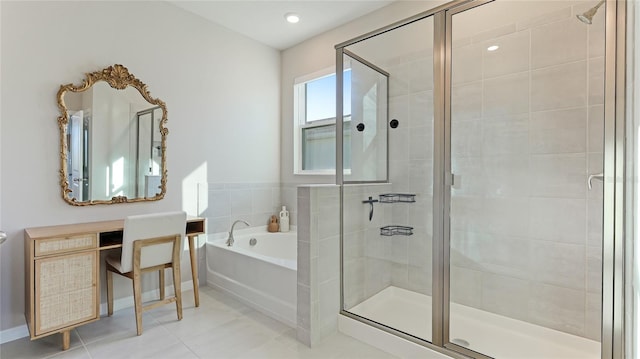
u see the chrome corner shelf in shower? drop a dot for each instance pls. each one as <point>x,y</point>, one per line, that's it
<point>397,198</point>
<point>396,231</point>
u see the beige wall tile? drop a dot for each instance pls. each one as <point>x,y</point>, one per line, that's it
<point>558,219</point>
<point>558,308</point>
<point>596,81</point>
<point>466,101</point>
<point>506,95</point>
<point>558,264</point>
<point>505,295</point>
<point>558,43</point>
<point>512,55</point>
<point>596,129</point>
<point>466,64</point>
<point>561,131</point>
<point>561,175</point>
<point>557,87</point>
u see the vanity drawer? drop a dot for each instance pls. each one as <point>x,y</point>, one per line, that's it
<point>65,244</point>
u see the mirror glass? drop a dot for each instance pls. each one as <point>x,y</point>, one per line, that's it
<point>112,140</point>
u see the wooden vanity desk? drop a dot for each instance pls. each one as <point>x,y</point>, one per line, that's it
<point>62,267</point>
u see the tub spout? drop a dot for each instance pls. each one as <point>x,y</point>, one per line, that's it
<point>230,239</point>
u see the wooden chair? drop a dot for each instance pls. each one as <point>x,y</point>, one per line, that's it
<point>151,242</point>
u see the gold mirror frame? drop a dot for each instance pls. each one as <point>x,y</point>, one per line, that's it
<point>118,77</point>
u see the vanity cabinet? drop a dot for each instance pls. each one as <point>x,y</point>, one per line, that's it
<point>62,282</point>
<point>62,266</point>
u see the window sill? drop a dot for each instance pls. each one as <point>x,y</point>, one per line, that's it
<point>315,173</point>
<point>319,172</point>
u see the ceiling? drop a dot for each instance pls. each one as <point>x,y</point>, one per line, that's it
<point>264,20</point>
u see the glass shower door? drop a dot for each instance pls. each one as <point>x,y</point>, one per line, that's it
<point>387,274</point>
<point>365,145</point>
<point>525,224</point>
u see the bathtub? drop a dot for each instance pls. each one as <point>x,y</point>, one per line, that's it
<point>263,276</point>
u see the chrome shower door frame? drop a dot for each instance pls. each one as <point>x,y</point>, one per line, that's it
<point>613,273</point>
<point>613,256</point>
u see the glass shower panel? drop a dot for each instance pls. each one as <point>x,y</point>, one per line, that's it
<point>365,146</point>
<point>387,278</point>
<point>526,131</point>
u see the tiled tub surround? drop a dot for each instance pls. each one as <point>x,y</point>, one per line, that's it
<point>527,129</point>
<point>318,247</point>
<point>223,203</point>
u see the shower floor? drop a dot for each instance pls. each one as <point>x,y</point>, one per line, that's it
<point>487,333</point>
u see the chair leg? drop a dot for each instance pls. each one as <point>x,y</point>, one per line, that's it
<point>176,286</point>
<point>137,298</point>
<point>109,293</point>
<point>161,283</point>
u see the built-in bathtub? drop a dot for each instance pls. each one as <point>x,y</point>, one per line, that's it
<point>263,276</point>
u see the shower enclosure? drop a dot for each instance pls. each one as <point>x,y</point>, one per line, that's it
<point>475,215</point>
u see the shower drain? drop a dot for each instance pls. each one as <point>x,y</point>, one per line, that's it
<point>460,342</point>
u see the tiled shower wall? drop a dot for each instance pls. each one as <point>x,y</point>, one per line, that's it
<point>527,129</point>
<point>368,256</point>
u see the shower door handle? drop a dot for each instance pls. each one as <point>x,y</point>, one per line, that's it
<point>599,176</point>
<point>453,180</point>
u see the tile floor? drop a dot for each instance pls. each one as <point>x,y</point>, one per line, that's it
<point>219,328</point>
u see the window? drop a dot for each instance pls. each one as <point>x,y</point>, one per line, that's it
<point>315,122</point>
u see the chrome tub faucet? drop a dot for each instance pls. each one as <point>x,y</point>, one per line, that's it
<point>230,240</point>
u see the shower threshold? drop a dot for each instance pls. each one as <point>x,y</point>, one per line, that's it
<point>491,334</point>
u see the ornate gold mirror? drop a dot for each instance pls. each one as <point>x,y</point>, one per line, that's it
<point>112,140</point>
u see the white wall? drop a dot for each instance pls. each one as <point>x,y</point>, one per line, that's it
<point>220,88</point>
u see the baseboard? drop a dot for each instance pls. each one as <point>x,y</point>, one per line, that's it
<point>11,334</point>
<point>21,331</point>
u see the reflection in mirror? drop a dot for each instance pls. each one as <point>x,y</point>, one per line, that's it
<point>112,140</point>
<point>149,151</point>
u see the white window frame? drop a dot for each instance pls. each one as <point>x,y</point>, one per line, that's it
<point>300,123</point>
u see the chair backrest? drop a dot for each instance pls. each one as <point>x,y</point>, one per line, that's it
<point>148,226</point>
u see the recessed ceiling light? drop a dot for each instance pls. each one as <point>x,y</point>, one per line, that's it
<point>292,17</point>
<point>493,48</point>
